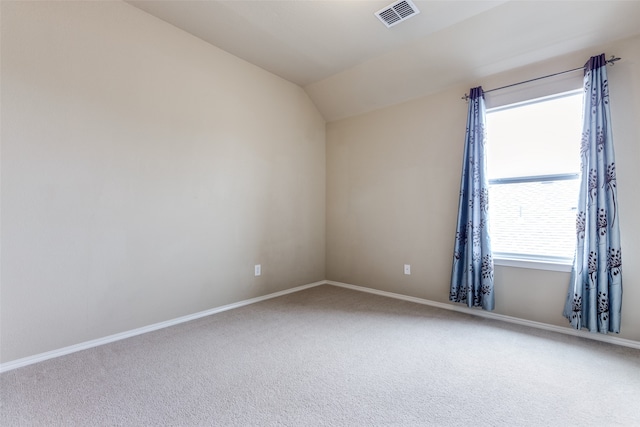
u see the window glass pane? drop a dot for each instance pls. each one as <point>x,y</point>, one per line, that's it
<point>536,138</point>
<point>534,218</point>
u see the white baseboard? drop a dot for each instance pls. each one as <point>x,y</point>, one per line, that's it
<point>482,313</point>
<point>18,363</point>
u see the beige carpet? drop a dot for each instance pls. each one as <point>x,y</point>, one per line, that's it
<point>332,356</point>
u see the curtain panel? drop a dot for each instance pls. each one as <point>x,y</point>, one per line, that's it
<point>472,273</point>
<point>594,300</point>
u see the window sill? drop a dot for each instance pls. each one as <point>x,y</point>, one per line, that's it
<point>534,264</point>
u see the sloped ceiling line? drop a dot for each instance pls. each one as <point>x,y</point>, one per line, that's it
<point>350,64</point>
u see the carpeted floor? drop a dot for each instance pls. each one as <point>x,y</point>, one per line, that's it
<point>332,356</point>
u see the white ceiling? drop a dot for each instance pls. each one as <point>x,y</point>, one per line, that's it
<point>350,63</point>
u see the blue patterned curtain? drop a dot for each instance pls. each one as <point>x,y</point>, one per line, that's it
<point>472,275</point>
<point>594,300</point>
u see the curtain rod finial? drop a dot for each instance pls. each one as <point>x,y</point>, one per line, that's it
<point>465,97</point>
<point>613,60</point>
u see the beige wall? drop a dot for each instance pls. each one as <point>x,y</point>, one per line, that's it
<point>393,179</point>
<point>144,173</point>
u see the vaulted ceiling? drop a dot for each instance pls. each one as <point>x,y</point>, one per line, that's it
<point>350,63</point>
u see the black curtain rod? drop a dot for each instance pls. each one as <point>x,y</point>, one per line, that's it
<point>610,62</point>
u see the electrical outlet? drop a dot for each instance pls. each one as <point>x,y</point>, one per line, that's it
<point>257,269</point>
<point>407,269</point>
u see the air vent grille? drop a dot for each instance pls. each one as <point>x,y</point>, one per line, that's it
<point>397,12</point>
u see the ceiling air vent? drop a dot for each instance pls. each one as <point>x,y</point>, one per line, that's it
<point>397,12</point>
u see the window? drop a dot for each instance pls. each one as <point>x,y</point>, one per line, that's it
<point>533,162</point>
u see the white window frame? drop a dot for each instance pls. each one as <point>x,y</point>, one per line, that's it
<point>536,262</point>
